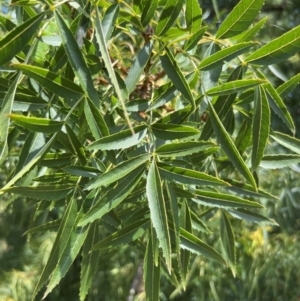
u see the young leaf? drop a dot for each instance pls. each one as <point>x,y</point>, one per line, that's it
<point>158,212</point>
<point>109,21</point>
<point>173,131</point>
<point>168,16</point>
<point>18,38</point>
<point>151,274</point>
<point>260,126</point>
<point>193,15</point>
<point>234,86</point>
<point>123,139</point>
<point>229,147</point>
<point>253,217</point>
<point>138,67</point>
<point>182,148</point>
<point>227,54</point>
<point>223,200</point>
<point>148,12</point>
<point>192,243</point>
<point>188,176</point>
<point>174,73</point>
<point>118,172</point>
<point>41,125</point>
<point>227,239</point>
<point>114,197</point>
<point>240,18</point>
<point>277,50</point>
<point>57,84</point>
<point>123,236</point>
<point>76,59</point>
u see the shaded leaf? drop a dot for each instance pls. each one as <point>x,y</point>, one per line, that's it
<point>289,142</point>
<point>286,88</point>
<point>148,12</point>
<point>279,161</point>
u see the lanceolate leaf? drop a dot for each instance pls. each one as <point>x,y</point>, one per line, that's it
<point>234,86</point>
<point>114,197</point>
<point>182,148</point>
<point>192,243</point>
<point>175,75</point>
<point>287,141</point>
<point>250,216</point>
<point>148,12</point>
<point>41,125</point>
<point>193,15</point>
<point>151,274</point>
<point>138,66</point>
<point>123,236</point>
<point>286,88</point>
<point>118,172</point>
<point>277,50</point>
<point>229,147</point>
<point>18,38</point>
<point>123,139</point>
<point>109,21</point>
<point>249,34</point>
<point>50,80</point>
<point>227,54</point>
<point>76,59</point>
<point>62,240</point>
<point>227,238</point>
<point>188,176</point>
<point>194,39</point>
<point>278,106</point>
<point>260,126</point>
<point>43,192</point>
<point>168,16</point>
<point>173,131</point>
<point>240,18</point>
<point>279,161</point>
<point>222,200</point>
<point>158,212</point>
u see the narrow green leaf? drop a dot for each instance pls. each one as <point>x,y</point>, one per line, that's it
<point>222,200</point>
<point>95,120</point>
<point>240,18</point>
<point>227,239</point>
<point>234,86</point>
<point>182,148</point>
<point>89,263</point>
<point>82,171</point>
<point>24,102</point>
<point>249,34</point>
<point>158,212</point>
<point>277,50</point>
<point>253,217</point>
<point>193,15</point>
<point>194,39</point>
<point>108,65</point>
<point>109,21</point>
<point>76,59</point>
<point>287,141</point>
<point>168,16</point>
<point>62,239</point>
<point>286,88</point>
<point>192,243</point>
<point>118,172</point>
<point>148,12</point>
<point>227,54</point>
<point>188,176</point>
<point>138,67</point>
<point>57,84</point>
<point>279,161</point>
<point>174,73</point>
<point>260,126</point>
<point>43,192</point>
<point>229,147</point>
<point>114,197</point>
<point>151,274</point>
<point>137,105</point>
<point>173,131</point>
<point>41,125</point>
<point>123,139</point>
<point>123,236</point>
<point>49,226</point>
<point>18,38</point>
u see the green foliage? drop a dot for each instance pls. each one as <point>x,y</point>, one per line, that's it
<point>139,117</point>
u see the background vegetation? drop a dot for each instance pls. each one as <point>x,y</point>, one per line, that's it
<point>267,256</point>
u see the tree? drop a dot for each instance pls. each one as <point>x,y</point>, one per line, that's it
<point>134,122</point>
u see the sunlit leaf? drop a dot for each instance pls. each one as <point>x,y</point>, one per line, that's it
<point>173,131</point>
<point>193,15</point>
<point>279,161</point>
